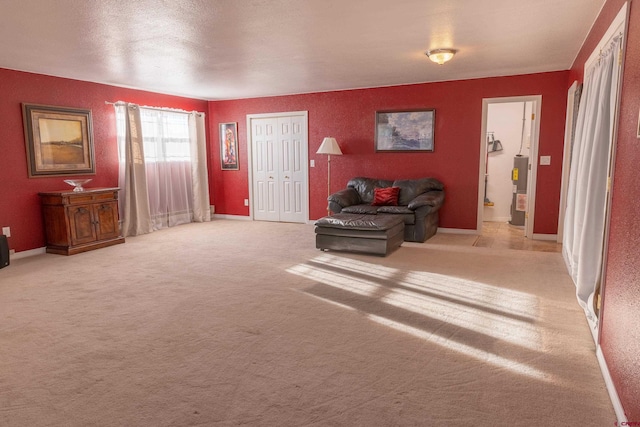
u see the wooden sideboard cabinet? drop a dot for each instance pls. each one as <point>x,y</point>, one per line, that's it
<point>80,221</point>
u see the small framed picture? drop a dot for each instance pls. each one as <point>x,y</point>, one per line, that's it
<point>59,140</point>
<point>229,146</point>
<point>410,130</point>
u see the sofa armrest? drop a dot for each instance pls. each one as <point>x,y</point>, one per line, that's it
<point>342,199</point>
<point>433,199</point>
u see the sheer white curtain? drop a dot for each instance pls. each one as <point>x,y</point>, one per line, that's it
<point>586,199</point>
<point>168,160</point>
<point>174,169</point>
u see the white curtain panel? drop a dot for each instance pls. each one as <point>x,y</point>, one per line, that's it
<point>200,175</point>
<point>134,200</point>
<point>586,199</point>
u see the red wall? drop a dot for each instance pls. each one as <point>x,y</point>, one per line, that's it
<point>349,116</point>
<point>19,201</point>
<point>620,328</point>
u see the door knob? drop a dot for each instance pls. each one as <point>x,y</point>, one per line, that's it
<point>270,177</point>
<point>286,177</point>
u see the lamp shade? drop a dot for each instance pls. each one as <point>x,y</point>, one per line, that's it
<point>329,146</point>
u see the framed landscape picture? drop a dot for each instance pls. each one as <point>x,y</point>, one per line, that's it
<point>410,130</point>
<point>59,140</point>
<point>229,146</point>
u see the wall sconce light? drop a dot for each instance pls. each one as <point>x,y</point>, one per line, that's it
<point>440,56</point>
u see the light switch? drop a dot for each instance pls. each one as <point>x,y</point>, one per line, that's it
<point>313,163</point>
<point>545,160</point>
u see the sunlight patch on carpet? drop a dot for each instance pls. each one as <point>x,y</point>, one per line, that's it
<point>506,300</point>
<point>492,312</point>
<point>344,281</point>
<point>490,324</point>
<point>357,266</point>
<point>490,358</point>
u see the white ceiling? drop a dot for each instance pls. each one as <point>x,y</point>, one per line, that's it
<point>227,49</point>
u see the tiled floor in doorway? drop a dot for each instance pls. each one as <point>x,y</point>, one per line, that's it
<point>503,235</point>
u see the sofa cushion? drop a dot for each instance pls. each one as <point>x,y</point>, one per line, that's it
<point>385,196</point>
<point>360,222</point>
<point>361,209</point>
<point>411,188</point>
<point>395,210</point>
<point>408,215</point>
<point>366,187</point>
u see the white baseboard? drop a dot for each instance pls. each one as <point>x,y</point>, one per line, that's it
<point>25,254</point>
<point>613,394</point>
<point>456,231</point>
<point>553,237</point>
<point>236,217</point>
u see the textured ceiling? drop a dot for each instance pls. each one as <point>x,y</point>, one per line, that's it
<point>226,49</point>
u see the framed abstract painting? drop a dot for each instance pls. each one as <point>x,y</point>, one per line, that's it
<point>229,146</point>
<point>409,130</point>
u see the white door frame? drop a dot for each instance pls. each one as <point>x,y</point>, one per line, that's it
<point>304,155</point>
<point>533,161</point>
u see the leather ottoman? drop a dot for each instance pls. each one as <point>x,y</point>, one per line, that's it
<point>371,234</point>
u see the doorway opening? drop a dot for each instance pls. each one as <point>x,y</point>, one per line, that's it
<point>509,145</point>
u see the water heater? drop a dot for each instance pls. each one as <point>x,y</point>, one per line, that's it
<point>519,178</point>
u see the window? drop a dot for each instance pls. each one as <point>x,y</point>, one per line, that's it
<point>171,154</point>
<point>166,136</point>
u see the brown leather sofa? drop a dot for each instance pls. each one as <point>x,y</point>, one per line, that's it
<point>419,201</point>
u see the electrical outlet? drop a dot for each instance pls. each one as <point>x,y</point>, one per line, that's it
<point>6,231</point>
<point>246,202</point>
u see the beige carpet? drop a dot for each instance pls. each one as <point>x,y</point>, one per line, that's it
<point>245,323</point>
<point>444,239</point>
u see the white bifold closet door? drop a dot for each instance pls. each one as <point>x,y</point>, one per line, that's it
<point>279,152</point>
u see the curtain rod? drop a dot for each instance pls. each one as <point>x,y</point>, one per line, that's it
<point>173,110</point>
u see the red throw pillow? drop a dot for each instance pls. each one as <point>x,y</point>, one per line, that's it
<point>386,196</point>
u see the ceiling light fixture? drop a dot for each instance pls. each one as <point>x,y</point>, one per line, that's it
<point>440,56</point>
